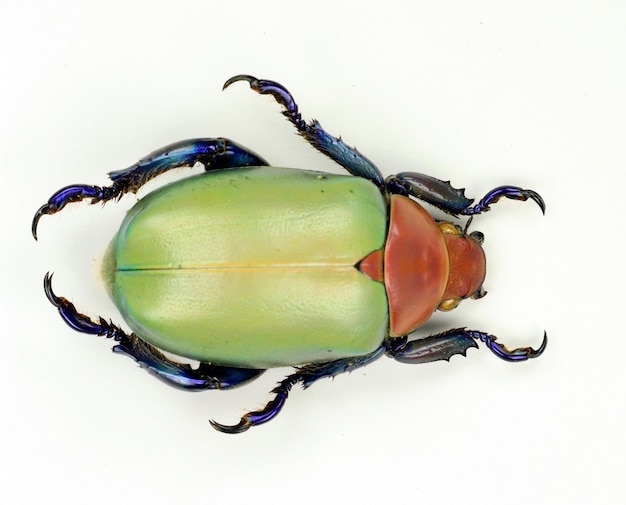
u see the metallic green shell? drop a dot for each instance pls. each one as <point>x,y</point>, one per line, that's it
<point>253,267</point>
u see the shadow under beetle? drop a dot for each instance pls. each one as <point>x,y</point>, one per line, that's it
<point>248,266</point>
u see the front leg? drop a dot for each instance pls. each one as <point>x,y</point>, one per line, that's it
<point>510,192</point>
<point>457,341</point>
<point>441,194</point>
<point>214,154</point>
<point>346,156</point>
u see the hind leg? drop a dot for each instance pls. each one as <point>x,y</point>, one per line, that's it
<point>179,375</point>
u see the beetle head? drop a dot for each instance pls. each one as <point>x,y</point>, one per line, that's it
<point>467,265</point>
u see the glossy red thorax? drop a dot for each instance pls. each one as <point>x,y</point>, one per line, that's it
<point>425,265</point>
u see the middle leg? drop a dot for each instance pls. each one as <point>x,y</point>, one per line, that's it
<point>179,375</point>
<point>305,375</point>
<point>335,148</point>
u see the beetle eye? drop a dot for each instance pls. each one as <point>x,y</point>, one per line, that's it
<point>478,236</point>
<point>449,304</point>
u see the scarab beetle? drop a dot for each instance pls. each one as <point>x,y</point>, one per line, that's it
<point>248,266</point>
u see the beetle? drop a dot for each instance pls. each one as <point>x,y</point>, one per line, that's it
<point>246,266</point>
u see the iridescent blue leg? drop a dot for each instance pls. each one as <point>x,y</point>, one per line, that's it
<point>510,192</point>
<point>451,200</point>
<point>457,341</point>
<point>179,375</point>
<point>346,156</point>
<point>215,154</point>
<point>305,375</point>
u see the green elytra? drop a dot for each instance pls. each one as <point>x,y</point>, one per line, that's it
<point>253,267</point>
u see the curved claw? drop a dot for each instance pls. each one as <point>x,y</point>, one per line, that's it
<point>510,192</point>
<point>68,312</point>
<point>536,197</point>
<point>61,198</point>
<point>264,415</point>
<point>515,193</point>
<point>237,78</point>
<point>265,87</point>
<point>240,427</point>
<point>519,354</point>
<point>250,419</point>
<point>43,210</point>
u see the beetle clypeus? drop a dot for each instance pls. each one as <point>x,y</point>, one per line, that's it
<point>247,266</point>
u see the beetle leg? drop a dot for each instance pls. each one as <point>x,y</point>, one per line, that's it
<point>511,192</point>
<point>271,410</point>
<point>215,154</point>
<point>78,321</point>
<point>346,156</point>
<point>519,354</point>
<point>306,375</point>
<point>457,341</point>
<point>180,375</point>
<point>441,194</point>
<point>433,348</point>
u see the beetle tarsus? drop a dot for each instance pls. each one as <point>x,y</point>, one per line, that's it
<point>278,91</point>
<point>519,354</point>
<point>70,194</point>
<point>510,192</point>
<point>76,320</point>
<point>267,413</point>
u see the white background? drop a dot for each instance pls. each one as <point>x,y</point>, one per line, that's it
<point>483,93</point>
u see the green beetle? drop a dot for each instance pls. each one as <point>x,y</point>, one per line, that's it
<point>247,266</point>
